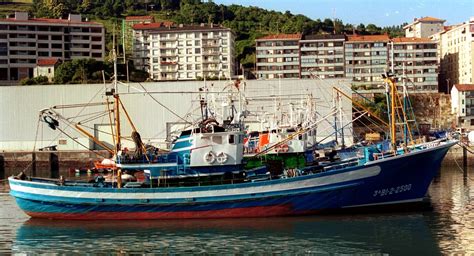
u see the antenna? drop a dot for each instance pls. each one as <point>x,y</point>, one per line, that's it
<point>334,20</point>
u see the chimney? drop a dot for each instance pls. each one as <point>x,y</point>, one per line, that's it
<point>21,16</point>
<point>75,18</point>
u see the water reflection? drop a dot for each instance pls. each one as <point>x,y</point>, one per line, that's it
<point>393,234</point>
<point>452,219</point>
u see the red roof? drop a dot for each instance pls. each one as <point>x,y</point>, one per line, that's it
<point>281,37</point>
<point>428,18</point>
<point>369,38</point>
<point>412,40</point>
<point>464,87</point>
<point>45,20</point>
<point>154,25</point>
<point>139,18</point>
<point>48,62</point>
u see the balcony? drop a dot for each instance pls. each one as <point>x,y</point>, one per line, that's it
<point>210,45</point>
<point>168,63</point>
<point>211,52</point>
<point>211,60</point>
<point>166,39</point>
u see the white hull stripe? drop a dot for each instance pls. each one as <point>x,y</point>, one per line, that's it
<point>300,184</point>
<point>181,149</point>
<point>387,203</point>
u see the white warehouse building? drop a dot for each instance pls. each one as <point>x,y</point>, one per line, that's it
<point>20,106</point>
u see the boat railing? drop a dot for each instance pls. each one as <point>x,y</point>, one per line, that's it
<point>382,155</point>
<point>346,164</point>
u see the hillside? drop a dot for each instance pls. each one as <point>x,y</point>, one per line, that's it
<point>247,23</point>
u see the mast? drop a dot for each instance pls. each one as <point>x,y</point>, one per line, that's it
<point>405,95</point>
<point>393,131</point>
<point>339,101</point>
<point>118,146</point>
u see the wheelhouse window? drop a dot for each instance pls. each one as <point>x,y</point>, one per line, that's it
<point>217,139</point>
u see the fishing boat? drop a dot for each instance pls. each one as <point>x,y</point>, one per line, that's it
<point>203,176</point>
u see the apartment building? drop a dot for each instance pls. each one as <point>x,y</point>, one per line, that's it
<point>462,104</point>
<point>184,52</point>
<point>322,56</point>
<point>416,59</point>
<point>24,40</point>
<point>457,53</point>
<point>127,29</point>
<point>424,27</point>
<point>278,56</point>
<point>366,58</point>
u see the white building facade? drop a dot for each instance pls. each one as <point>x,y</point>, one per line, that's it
<point>416,59</point>
<point>462,104</point>
<point>457,53</point>
<point>424,27</point>
<point>322,56</point>
<point>184,52</point>
<point>23,40</point>
<point>366,59</point>
<point>278,56</point>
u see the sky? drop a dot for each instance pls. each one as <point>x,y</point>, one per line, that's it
<point>379,12</point>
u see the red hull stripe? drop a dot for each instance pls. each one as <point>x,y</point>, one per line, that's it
<point>258,211</point>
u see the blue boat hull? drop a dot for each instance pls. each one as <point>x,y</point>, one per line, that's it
<point>396,180</point>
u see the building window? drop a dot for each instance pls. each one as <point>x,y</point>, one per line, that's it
<point>49,70</point>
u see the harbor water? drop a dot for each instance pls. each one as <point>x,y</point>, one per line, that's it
<point>446,228</point>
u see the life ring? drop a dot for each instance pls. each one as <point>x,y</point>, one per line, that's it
<point>210,157</point>
<point>222,157</point>
<point>282,148</point>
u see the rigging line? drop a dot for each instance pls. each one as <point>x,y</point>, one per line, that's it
<point>69,123</point>
<point>171,111</point>
<point>188,114</point>
<point>74,139</point>
<point>110,121</point>
<point>89,104</point>
<point>104,132</point>
<point>86,115</point>
<point>92,118</point>
<point>34,147</point>
<point>338,130</point>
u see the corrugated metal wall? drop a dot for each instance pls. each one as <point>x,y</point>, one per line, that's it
<point>20,105</point>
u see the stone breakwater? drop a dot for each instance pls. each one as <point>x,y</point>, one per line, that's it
<point>66,159</point>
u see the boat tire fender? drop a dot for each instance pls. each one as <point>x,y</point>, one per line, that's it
<point>210,157</point>
<point>222,157</point>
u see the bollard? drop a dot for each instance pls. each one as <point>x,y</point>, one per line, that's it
<point>54,165</point>
<point>464,158</point>
<point>33,164</point>
<point>2,167</point>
